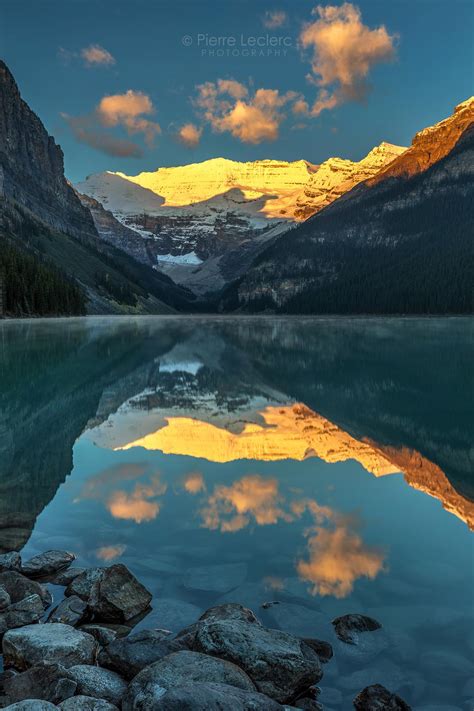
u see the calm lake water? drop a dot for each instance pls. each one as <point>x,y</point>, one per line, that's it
<point>323,463</point>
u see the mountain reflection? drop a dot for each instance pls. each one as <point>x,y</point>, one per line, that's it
<point>224,390</point>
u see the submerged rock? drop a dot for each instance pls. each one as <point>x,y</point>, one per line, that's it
<point>177,669</point>
<point>279,664</point>
<point>21,613</point>
<point>35,644</point>
<point>10,561</point>
<point>347,627</point>
<point>70,611</point>
<point>378,698</point>
<point>201,696</point>
<point>99,683</point>
<point>215,578</point>
<point>19,587</point>
<point>130,655</point>
<point>172,614</point>
<point>49,682</point>
<point>47,563</point>
<point>86,703</point>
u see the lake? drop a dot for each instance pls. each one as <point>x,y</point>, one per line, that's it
<point>325,464</point>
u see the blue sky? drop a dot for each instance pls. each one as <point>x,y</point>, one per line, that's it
<point>405,65</point>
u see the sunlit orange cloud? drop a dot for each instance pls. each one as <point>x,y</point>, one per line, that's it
<point>231,508</point>
<point>344,52</point>
<point>337,558</point>
<point>136,506</point>
<point>194,483</point>
<point>108,553</point>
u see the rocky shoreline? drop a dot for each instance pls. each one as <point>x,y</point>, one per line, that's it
<point>82,655</point>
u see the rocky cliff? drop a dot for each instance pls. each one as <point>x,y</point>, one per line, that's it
<point>42,215</point>
<point>32,166</point>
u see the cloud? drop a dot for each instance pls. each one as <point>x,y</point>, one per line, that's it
<point>194,483</point>
<point>85,131</point>
<point>344,51</point>
<point>252,498</point>
<point>337,558</point>
<point>189,135</point>
<point>117,110</point>
<point>337,554</point>
<point>95,55</point>
<point>108,553</point>
<point>137,506</point>
<point>274,18</point>
<point>127,110</point>
<point>228,107</point>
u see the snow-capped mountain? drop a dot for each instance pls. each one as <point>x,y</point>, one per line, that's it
<point>193,216</point>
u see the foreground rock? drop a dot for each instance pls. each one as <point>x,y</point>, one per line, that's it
<point>56,643</point>
<point>112,594</point>
<point>130,655</point>
<point>210,697</point>
<point>31,705</point>
<point>348,627</point>
<point>10,561</point>
<point>65,577</point>
<point>228,611</point>
<point>47,563</point>
<point>86,703</point>
<point>280,665</point>
<point>19,587</point>
<point>70,611</point>
<point>19,614</point>
<point>378,698</point>
<point>49,682</point>
<point>323,649</point>
<point>99,683</point>
<point>5,599</point>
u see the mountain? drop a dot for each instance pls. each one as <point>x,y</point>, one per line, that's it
<point>201,222</point>
<point>400,242</point>
<point>52,259</point>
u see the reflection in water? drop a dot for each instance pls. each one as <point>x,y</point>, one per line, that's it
<point>171,444</point>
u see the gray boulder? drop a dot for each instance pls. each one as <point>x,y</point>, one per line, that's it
<point>99,683</point>
<point>178,669</point>
<point>228,611</point>
<point>64,577</point>
<point>10,561</point>
<point>24,612</point>
<point>36,644</point>
<point>48,682</point>
<point>47,563</point>
<point>347,627</point>
<point>131,654</point>
<point>378,698</point>
<point>200,696</point>
<point>19,587</point>
<point>104,635</point>
<point>280,665</point>
<point>86,703</point>
<point>82,584</point>
<point>112,594</point>
<point>31,705</point>
<point>5,599</point>
<point>323,649</point>
<point>70,611</point>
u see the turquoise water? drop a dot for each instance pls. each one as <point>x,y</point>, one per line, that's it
<point>322,463</point>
